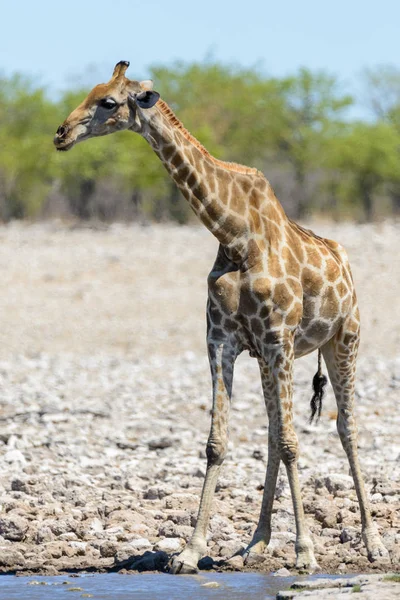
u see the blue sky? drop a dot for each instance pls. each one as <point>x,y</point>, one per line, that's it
<point>61,42</point>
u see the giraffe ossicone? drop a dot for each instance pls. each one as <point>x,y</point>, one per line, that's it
<point>276,289</point>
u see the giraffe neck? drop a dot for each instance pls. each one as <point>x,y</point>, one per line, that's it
<point>217,191</point>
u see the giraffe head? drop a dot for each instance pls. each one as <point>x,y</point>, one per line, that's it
<point>113,106</point>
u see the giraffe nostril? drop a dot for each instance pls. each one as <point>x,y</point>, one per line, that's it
<point>61,131</point>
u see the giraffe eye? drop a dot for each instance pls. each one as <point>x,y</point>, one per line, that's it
<point>108,103</point>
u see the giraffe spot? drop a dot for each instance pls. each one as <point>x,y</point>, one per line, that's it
<point>207,220</point>
<point>318,330</point>
<point>265,312</point>
<point>246,184</point>
<point>236,201</point>
<point>221,387</point>
<point>197,160</point>
<point>230,325</point>
<point>248,304</point>
<point>216,333</point>
<point>308,311</point>
<point>294,316</point>
<point>271,337</point>
<point>168,151</point>
<point>303,345</point>
<point>287,419</point>
<point>256,198</point>
<point>256,326</point>
<point>274,266</point>
<point>272,231</point>
<point>213,211</point>
<point>192,180</point>
<point>342,289</point>
<point>254,254</point>
<point>332,270</point>
<point>199,191</point>
<point>276,319</point>
<point>295,242</point>
<point>314,255</point>
<point>329,304</point>
<point>312,282</point>
<point>255,220</point>
<point>176,160</point>
<point>235,225</point>
<point>279,361</point>
<point>262,183</point>
<point>282,296</point>
<point>350,340</point>
<point>184,171</point>
<point>353,325</point>
<point>262,287</point>
<point>215,315</point>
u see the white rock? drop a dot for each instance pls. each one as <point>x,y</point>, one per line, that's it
<point>140,543</point>
<point>14,456</point>
<point>169,545</point>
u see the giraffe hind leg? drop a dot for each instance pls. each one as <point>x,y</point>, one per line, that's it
<point>340,355</point>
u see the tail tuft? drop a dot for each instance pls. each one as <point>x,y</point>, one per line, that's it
<point>318,384</point>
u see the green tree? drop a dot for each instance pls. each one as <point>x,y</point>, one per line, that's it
<point>314,108</point>
<point>366,156</point>
<point>382,93</point>
<point>26,153</point>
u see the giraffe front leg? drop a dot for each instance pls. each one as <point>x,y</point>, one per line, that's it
<point>222,357</point>
<point>278,385</point>
<point>262,534</point>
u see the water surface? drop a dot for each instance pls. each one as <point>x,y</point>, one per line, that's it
<point>112,586</point>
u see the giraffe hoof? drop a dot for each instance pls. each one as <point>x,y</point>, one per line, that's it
<point>252,559</point>
<point>378,553</point>
<point>179,567</point>
<point>307,562</point>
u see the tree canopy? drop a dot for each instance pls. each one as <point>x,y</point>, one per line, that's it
<point>298,130</point>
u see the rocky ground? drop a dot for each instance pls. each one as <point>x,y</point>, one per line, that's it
<point>104,410</point>
<point>370,587</point>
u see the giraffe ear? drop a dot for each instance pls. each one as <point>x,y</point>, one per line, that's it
<point>145,99</point>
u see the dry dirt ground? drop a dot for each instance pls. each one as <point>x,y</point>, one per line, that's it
<point>105,397</point>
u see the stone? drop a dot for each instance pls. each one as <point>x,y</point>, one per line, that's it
<point>13,528</point>
<point>44,535</point>
<point>141,543</point>
<point>169,545</point>
<point>337,482</point>
<point>283,572</point>
<point>179,501</point>
<point>348,534</point>
<point>108,549</point>
<point>9,557</point>
<point>236,562</point>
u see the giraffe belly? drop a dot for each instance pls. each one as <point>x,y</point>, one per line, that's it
<point>313,334</point>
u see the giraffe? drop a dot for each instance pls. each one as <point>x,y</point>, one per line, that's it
<point>276,290</point>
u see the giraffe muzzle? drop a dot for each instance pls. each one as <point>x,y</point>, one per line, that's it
<point>60,138</point>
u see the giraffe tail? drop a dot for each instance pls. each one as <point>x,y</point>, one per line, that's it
<point>318,384</point>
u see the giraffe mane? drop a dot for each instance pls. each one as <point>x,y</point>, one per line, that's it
<point>230,166</point>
